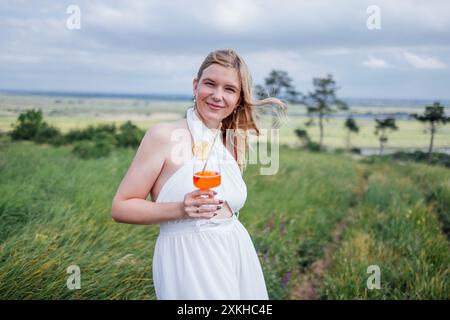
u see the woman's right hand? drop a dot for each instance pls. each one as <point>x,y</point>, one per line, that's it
<point>196,205</point>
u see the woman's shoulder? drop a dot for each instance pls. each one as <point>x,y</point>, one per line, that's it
<point>161,132</point>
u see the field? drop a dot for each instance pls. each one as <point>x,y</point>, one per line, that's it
<point>67,113</point>
<point>319,225</point>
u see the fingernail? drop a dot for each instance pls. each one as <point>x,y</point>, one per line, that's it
<point>219,207</point>
<point>220,201</point>
<point>214,192</point>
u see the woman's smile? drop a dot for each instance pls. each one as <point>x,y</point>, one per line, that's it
<point>214,106</point>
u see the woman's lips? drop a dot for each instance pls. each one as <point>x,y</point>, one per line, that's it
<point>215,107</point>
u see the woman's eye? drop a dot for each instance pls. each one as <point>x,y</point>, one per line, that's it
<point>209,83</point>
<point>230,90</point>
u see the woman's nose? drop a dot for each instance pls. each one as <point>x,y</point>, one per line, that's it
<point>217,95</point>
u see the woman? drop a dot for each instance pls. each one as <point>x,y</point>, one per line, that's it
<point>202,251</point>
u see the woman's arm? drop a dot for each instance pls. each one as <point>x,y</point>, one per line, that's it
<point>140,211</point>
<point>130,204</point>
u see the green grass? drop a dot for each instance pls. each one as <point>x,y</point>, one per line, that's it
<point>291,214</point>
<point>57,214</point>
<point>55,211</point>
<point>399,228</point>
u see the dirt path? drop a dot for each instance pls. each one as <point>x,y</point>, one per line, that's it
<point>310,281</point>
<point>308,284</point>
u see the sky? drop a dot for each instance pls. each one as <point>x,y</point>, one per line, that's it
<point>154,47</point>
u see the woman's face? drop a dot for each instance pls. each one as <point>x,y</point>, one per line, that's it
<point>217,92</point>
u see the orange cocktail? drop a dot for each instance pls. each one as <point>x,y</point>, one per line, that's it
<point>206,179</point>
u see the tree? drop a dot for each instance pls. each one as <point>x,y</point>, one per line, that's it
<point>302,135</point>
<point>382,128</point>
<point>28,124</point>
<point>323,102</point>
<point>434,115</point>
<point>130,135</point>
<point>277,84</point>
<point>351,126</point>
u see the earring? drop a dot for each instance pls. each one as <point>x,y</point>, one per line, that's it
<point>195,103</point>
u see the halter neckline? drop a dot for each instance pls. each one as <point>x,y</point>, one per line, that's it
<point>232,189</point>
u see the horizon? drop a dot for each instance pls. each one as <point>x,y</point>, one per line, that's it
<point>179,96</point>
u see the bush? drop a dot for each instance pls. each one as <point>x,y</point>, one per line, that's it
<point>47,133</point>
<point>129,136</point>
<point>57,141</point>
<point>313,146</point>
<point>92,149</point>
<point>91,132</point>
<point>91,142</point>
<point>28,125</point>
<point>76,135</point>
<point>105,128</point>
<point>105,136</point>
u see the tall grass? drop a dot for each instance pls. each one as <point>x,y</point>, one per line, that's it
<point>397,229</point>
<point>55,212</point>
<point>290,215</point>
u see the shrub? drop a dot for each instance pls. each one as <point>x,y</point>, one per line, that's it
<point>313,146</point>
<point>129,136</point>
<point>90,142</point>
<point>76,135</point>
<point>106,137</point>
<point>91,132</point>
<point>92,149</point>
<point>57,141</point>
<point>28,125</point>
<point>47,133</point>
<point>302,135</point>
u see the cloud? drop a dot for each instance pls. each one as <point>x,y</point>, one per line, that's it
<point>156,46</point>
<point>234,15</point>
<point>423,62</point>
<point>334,51</point>
<point>375,63</point>
<point>22,59</point>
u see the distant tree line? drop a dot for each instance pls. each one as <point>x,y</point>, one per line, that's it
<point>322,102</point>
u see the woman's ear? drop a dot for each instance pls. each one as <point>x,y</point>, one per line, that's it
<point>194,86</point>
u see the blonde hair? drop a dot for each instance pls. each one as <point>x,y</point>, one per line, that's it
<point>243,119</point>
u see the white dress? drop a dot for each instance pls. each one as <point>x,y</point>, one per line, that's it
<point>207,258</point>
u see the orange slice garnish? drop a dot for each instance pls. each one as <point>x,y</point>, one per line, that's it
<point>201,149</point>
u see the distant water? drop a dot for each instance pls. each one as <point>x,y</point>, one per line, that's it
<point>357,102</point>
<point>405,103</point>
<point>100,95</point>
